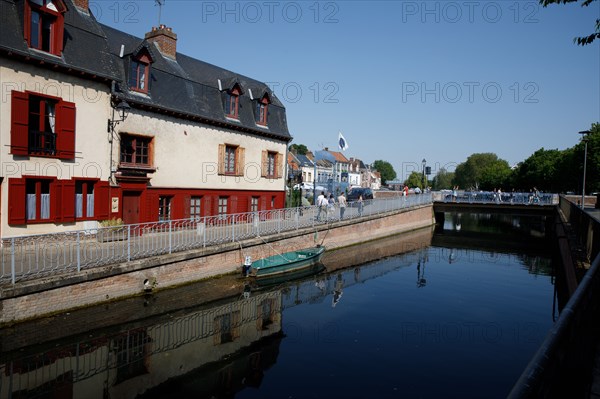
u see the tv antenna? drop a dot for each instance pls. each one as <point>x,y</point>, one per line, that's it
<point>160,4</point>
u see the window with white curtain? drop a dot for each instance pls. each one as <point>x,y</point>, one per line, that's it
<point>37,199</point>
<point>84,199</point>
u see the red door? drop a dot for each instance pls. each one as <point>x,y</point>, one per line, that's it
<point>131,207</point>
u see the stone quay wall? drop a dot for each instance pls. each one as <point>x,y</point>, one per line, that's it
<point>35,299</point>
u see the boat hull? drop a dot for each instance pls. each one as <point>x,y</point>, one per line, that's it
<point>289,262</point>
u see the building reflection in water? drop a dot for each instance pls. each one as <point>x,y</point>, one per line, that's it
<point>213,352</point>
<point>138,361</point>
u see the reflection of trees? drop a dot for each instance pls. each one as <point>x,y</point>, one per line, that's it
<point>537,265</point>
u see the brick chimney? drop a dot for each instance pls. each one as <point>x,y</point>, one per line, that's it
<point>165,40</point>
<point>83,5</point>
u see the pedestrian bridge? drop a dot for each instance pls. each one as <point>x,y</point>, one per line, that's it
<point>488,202</point>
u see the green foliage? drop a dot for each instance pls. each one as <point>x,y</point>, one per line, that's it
<point>482,171</point>
<point>300,149</point>
<point>583,40</point>
<point>385,169</point>
<point>415,179</point>
<point>443,180</point>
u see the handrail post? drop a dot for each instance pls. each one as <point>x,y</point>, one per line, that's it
<point>78,252</point>
<point>233,228</point>
<point>12,260</point>
<point>128,242</point>
<point>170,237</point>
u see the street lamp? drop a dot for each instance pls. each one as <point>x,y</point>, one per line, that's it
<point>424,163</point>
<point>584,138</point>
<point>122,112</point>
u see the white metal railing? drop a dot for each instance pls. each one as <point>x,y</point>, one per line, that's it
<point>489,197</point>
<point>37,256</point>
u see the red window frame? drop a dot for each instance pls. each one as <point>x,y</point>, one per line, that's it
<point>44,27</point>
<point>62,199</point>
<point>262,111</point>
<point>139,150</point>
<point>85,185</point>
<point>164,208</point>
<point>232,103</point>
<point>139,72</point>
<point>195,207</point>
<point>26,125</point>
<point>222,206</point>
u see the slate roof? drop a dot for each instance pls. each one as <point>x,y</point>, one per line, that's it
<point>191,87</point>
<point>85,48</point>
<point>331,156</point>
<point>186,88</point>
<point>304,161</point>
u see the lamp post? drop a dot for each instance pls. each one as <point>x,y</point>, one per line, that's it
<point>584,138</point>
<point>424,163</point>
<point>122,112</point>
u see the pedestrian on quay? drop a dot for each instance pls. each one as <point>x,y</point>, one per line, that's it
<point>342,203</point>
<point>322,205</point>
<point>330,206</point>
<point>360,205</point>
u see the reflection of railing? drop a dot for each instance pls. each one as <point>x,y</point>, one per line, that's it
<point>124,356</point>
<point>490,197</point>
<point>30,257</point>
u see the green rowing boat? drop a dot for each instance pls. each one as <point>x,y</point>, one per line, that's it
<point>287,262</point>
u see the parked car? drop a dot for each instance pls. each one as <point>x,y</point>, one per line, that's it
<point>354,193</point>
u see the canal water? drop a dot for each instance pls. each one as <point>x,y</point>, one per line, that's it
<point>457,312</point>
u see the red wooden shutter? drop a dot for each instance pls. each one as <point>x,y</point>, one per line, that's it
<point>264,167</point>
<point>101,200</point>
<point>16,201</point>
<point>65,132</point>
<point>263,203</point>
<point>151,207</point>
<point>55,200</point>
<point>207,205</point>
<point>234,204</point>
<point>240,161</point>
<point>19,130</point>
<point>187,200</point>
<point>279,165</point>
<point>67,201</point>
<point>59,28</point>
<point>221,162</point>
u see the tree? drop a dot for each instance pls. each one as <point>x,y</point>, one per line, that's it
<point>582,41</point>
<point>443,179</point>
<point>300,149</point>
<point>482,171</point>
<point>415,179</point>
<point>385,169</point>
<point>539,170</point>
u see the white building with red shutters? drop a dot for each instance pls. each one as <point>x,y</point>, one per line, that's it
<point>198,140</point>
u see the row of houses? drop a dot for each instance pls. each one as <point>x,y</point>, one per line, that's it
<point>331,170</point>
<point>97,124</point>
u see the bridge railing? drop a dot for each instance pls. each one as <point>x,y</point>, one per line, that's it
<point>490,197</point>
<point>38,256</point>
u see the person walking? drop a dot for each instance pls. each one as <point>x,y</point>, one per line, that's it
<point>322,204</point>
<point>330,207</point>
<point>342,203</point>
<point>360,205</point>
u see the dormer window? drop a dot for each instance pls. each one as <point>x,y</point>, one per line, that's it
<point>44,25</point>
<point>139,73</point>
<point>232,102</point>
<point>262,110</point>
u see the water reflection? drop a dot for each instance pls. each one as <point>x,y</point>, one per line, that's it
<point>173,345</point>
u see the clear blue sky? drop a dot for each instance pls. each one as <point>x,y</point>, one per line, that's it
<point>402,80</point>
